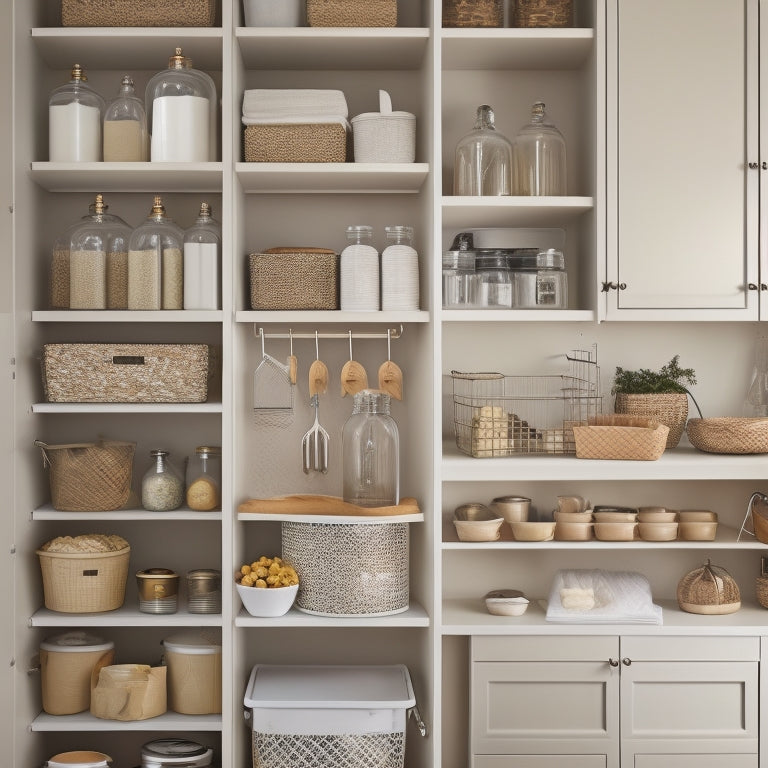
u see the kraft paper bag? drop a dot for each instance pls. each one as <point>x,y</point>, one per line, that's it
<point>128,692</point>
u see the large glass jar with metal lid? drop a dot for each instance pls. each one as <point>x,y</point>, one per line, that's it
<point>202,249</point>
<point>539,157</point>
<point>371,452</point>
<point>155,262</point>
<point>204,478</point>
<point>483,164</point>
<point>494,281</point>
<point>540,279</point>
<point>75,112</point>
<point>59,274</point>
<point>125,126</point>
<point>98,261</point>
<point>162,488</point>
<point>181,113</point>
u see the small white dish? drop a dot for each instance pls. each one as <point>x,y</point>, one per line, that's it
<point>267,602</point>
<point>506,602</point>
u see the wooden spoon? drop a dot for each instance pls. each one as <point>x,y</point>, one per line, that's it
<point>318,373</point>
<point>353,375</point>
<point>390,375</point>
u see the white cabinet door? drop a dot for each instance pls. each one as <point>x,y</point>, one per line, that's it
<point>682,130</point>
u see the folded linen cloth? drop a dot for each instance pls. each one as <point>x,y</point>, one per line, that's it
<point>616,597</point>
<point>279,104</point>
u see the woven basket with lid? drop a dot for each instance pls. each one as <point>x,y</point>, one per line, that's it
<point>710,590</point>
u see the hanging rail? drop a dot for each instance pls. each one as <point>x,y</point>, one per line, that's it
<point>390,333</point>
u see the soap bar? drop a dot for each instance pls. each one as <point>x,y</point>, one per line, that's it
<point>577,599</point>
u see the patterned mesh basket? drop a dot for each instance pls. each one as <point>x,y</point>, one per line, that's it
<point>138,13</point>
<point>369,576</point>
<point>295,143</point>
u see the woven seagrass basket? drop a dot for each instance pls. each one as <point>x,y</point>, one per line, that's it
<point>351,13</point>
<point>620,437</point>
<point>708,590</point>
<point>138,13</point>
<point>84,582</point>
<point>729,435</point>
<point>666,408</point>
<point>294,278</point>
<point>542,13</point>
<point>89,477</point>
<point>295,143</point>
<point>761,590</point>
<point>473,13</point>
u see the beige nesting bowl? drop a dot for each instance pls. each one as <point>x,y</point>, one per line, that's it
<point>475,522</point>
<point>533,530</point>
<point>615,517</point>
<point>654,516</point>
<point>615,531</point>
<point>696,516</point>
<point>658,531</point>
<point>506,602</point>
<point>573,517</point>
<point>512,508</point>
<point>698,530</point>
<point>577,530</point>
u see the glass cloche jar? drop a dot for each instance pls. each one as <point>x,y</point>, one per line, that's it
<point>181,113</point>
<point>125,126</point>
<point>539,157</point>
<point>483,164</point>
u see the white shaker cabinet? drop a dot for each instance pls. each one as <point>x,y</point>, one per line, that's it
<point>683,161</point>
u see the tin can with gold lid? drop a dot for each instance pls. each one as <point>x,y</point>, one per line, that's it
<point>204,591</point>
<point>158,590</point>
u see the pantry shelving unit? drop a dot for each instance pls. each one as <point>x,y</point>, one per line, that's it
<point>441,75</point>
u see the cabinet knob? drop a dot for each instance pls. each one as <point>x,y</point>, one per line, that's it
<point>626,661</point>
<point>613,662</point>
<point>762,166</point>
<point>751,286</point>
<point>753,166</point>
<point>763,287</point>
<point>611,286</point>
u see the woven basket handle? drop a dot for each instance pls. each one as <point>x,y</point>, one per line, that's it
<point>43,446</point>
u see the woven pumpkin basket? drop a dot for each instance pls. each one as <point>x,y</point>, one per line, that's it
<point>89,477</point>
<point>620,437</point>
<point>729,435</point>
<point>666,408</point>
<point>84,582</point>
<point>138,13</point>
<point>473,13</point>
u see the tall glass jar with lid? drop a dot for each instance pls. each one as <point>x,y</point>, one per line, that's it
<point>371,452</point>
<point>202,249</point>
<point>59,274</point>
<point>75,112</point>
<point>98,261</point>
<point>125,126</point>
<point>162,487</point>
<point>359,267</point>
<point>540,157</point>
<point>399,271</point>
<point>181,113</point>
<point>204,478</point>
<point>155,262</point>
<point>483,164</point>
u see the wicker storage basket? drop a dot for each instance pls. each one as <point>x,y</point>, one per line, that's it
<point>729,435</point>
<point>384,136</point>
<point>620,437</point>
<point>761,590</point>
<point>370,572</point>
<point>294,278</point>
<point>89,477</point>
<point>708,590</point>
<point>473,13</point>
<point>296,143</point>
<point>352,13</point>
<point>542,13</point>
<point>667,408</point>
<point>138,13</point>
<point>84,582</point>
<point>125,373</point>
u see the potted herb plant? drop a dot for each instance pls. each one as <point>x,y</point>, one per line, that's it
<point>661,395</point>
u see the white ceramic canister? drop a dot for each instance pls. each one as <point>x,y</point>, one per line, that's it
<point>359,272</point>
<point>193,660</point>
<point>175,752</point>
<point>67,662</point>
<point>399,271</point>
<point>79,759</point>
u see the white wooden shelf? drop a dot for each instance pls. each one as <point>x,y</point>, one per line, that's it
<point>128,177</point>
<point>47,512</point>
<point>330,178</point>
<point>128,47</point>
<point>85,721</point>
<point>513,211</point>
<point>126,316</point>
<point>415,616</point>
<point>127,616</point>
<point>519,49</point>
<point>681,463</point>
<point>468,616</point>
<point>313,317</point>
<point>518,316</point>
<point>127,407</point>
<point>304,48</point>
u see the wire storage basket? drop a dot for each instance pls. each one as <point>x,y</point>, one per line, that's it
<point>499,415</point>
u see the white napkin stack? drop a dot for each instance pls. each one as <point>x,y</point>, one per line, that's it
<point>271,106</point>
<point>601,597</point>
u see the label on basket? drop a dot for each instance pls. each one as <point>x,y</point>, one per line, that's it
<point>127,360</point>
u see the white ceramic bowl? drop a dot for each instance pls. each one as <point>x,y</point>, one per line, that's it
<point>696,516</point>
<point>613,531</point>
<point>533,530</point>
<point>658,531</point>
<point>656,516</point>
<point>698,530</point>
<point>267,602</point>
<point>573,531</point>
<point>506,602</point>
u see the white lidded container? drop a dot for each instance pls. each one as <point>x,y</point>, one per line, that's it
<point>355,713</point>
<point>79,759</point>
<point>175,752</point>
<point>384,136</point>
<point>193,660</point>
<point>273,13</point>
<point>67,662</point>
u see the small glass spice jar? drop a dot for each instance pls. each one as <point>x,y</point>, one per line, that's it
<point>162,488</point>
<point>204,479</point>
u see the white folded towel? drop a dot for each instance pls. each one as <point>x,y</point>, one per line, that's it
<point>281,104</point>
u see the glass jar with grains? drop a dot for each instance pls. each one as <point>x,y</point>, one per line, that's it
<point>125,126</point>
<point>204,479</point>
<point>162,488</point>
<point>156,262</point>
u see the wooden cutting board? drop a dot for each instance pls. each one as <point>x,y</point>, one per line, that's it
<point>314,504</point>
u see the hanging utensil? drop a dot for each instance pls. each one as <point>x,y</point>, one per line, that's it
<point>272,388</point>
<point>293,363</point>
<point>314,444</point>
<point>390,375</point>
<point>353,375</point>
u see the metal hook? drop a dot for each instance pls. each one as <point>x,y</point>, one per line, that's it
<point>261,334</point>
<point>317,346</point>
<point>389,341</point>
<point>290,342</point>
<point>350,344</point>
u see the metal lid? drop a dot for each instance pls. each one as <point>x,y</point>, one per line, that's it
<point>157,573</point>
<point>208,449</point>
<point>193,643</point>
<point>173,748</point>
<point>206,574</point>
<point>76,641</point>
<point>459,260</point>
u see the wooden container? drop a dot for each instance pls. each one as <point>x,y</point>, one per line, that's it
<point>473,13</point>
<point>542,13</point>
